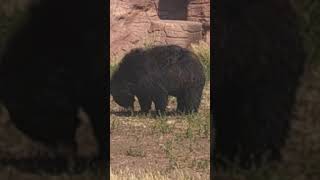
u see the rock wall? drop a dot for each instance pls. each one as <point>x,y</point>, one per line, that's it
<point>199,10</point>
<point>141,22</point>
<point>136,23</point>
<point>129,21</point>
<point>175,32</point>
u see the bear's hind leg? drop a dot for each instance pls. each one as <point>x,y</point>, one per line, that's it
<point>181,104</point>
<point>192,99</point>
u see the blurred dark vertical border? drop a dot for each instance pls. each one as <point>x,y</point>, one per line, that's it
<point>308,22</point>
<point>213,42</point>
<point>106,46</point>
<point>105,35</point>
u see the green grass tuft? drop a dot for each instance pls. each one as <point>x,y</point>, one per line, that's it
<point>113,68</point>
<point>202,50</point>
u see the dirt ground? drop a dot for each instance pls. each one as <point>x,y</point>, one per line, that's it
<point>161,144</point>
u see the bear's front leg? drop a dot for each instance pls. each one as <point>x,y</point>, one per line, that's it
<point>191,99</point>
<point>160,102</point>
<point>145,103</point>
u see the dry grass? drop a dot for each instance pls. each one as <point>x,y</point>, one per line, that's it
<point>161,147</point>
<point>153,175</point>
<point>202,50</point>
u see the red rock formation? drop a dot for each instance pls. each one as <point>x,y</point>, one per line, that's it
<point>137,23</point>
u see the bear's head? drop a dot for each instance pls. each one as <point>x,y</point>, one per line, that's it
<point>121,94</point>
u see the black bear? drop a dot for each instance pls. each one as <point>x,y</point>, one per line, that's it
<point>155,73</point>
<point>54,64</point>
<point>260,57</point>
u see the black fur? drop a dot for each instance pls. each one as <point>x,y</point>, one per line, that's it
<point>53,65</point>
<point>260,57</point>
<point>155,73</point>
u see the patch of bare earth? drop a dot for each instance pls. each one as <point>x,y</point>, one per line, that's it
<point>167,146</point>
